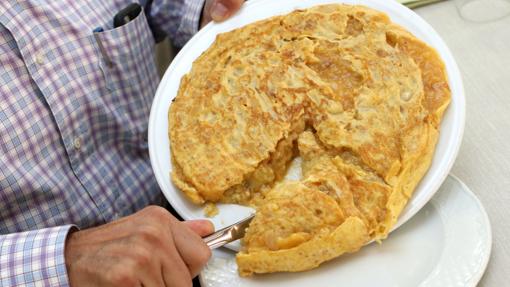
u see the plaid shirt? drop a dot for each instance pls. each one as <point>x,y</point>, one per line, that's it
<point>74,107</point>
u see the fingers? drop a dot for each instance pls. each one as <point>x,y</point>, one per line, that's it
<point>222,9</point>
<point>181,249</point>
<point>174,270</point>
<point>191,247</point>
<point>183,252</point>
<point>200,227</point>
<point>160,225</point>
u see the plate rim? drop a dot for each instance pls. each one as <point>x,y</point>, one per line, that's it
<point>453,72</point>
<point>485,263</point>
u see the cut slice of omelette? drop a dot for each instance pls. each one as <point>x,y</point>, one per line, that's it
<point>296,229</point>
<point>356,96</point>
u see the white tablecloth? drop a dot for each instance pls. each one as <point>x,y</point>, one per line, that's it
<point>482,51</point>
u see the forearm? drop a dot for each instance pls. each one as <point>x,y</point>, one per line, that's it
<point>34,258</point>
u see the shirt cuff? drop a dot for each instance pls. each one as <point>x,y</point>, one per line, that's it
<point>34,258</point>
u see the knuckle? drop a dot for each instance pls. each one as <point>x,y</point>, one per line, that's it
<point>148,234</point>
<point>141,257</point>
<point>122,277</point>
<point>158,212</point>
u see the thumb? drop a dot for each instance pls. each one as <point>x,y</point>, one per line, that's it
<point>223,9</point>
<point>202,227</point>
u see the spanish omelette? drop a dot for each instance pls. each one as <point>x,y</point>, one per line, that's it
<point>356,96</point>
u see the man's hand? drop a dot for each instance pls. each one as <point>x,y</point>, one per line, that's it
<point>148,248</point>
<point>219,10</point>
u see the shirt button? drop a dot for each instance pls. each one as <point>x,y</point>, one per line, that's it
<point>77,143</point>
<point>39,59</point>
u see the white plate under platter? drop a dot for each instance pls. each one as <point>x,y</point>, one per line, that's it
<point>447,243</point>
<point>452,126</point>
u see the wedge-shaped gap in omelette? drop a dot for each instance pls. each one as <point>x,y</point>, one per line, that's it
<point>257,183</point>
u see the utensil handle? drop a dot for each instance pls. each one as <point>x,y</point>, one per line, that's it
<point>219,238</point>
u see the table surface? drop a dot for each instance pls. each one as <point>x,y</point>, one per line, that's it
<point>482,51</point>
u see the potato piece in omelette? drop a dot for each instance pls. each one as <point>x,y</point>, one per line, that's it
<point>357,97</point>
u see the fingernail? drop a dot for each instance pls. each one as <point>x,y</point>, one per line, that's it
<point>218,11</point>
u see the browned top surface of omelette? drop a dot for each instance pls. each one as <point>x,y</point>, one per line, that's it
<point>357,97</point>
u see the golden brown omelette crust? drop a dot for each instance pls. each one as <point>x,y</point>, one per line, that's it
<point>357,97</point>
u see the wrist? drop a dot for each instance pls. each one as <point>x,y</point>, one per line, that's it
<point>71,252</point>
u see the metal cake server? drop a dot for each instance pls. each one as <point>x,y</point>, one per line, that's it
<point>228,234</point>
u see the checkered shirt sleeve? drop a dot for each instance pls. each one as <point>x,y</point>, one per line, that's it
<point>73,127</point>
<point>178,18</point>
<point>34,258</point>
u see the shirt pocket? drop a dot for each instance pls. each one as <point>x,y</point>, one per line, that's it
<point>130,74</point>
